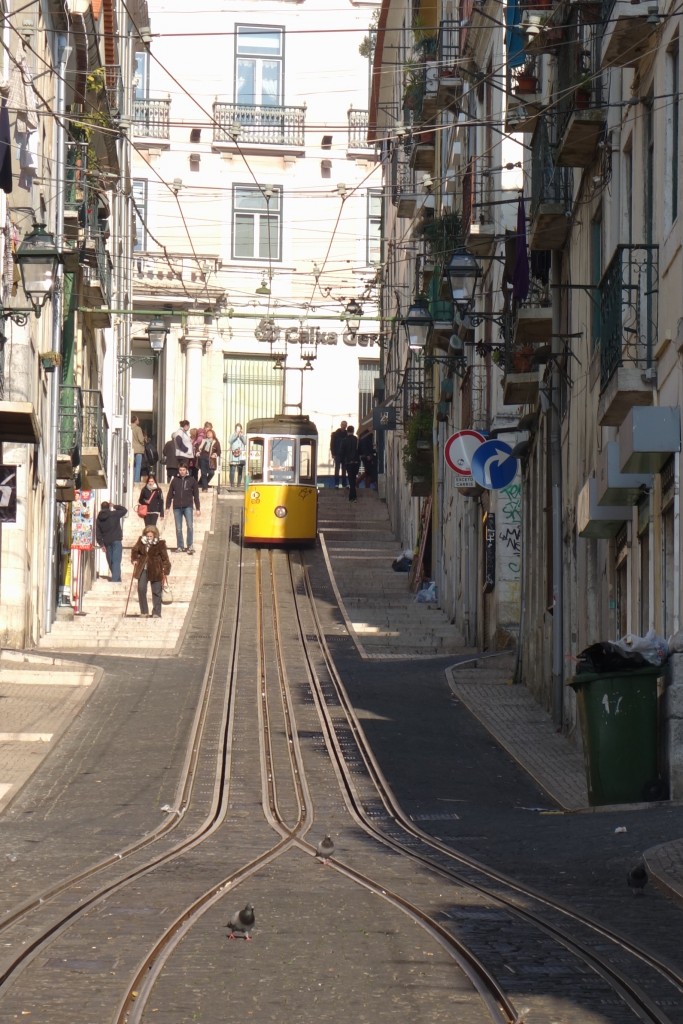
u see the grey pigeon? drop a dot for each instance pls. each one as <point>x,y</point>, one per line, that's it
<point>637,878</point>
<point>325,849</point>
<point>241,923</point>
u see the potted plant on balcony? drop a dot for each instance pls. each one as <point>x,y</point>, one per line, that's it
<point>50,361</point>
<point>417,450</point>
<point>583,93</point>
<point>526,81</point>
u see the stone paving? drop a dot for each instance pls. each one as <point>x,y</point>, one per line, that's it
<point>42,691</point>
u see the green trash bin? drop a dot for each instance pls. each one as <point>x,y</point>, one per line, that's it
<point>618,715</point>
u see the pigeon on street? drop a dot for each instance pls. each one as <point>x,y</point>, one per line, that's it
<point>325,849</point>
<point>241,923</point>
<point>637,878</point>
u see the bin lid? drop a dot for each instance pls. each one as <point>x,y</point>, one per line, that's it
<point>584,678</point>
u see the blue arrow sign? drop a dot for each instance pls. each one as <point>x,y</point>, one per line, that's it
<point>493,465</point>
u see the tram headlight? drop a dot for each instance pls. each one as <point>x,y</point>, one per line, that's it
<point>280,511</point>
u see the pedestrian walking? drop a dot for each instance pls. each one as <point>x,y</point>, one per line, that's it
<point>183,494</point>
<point>208,454</point>
<point>183,443</point>
<point>138,448</point>
<point>152,497</point>
<point>368,458</point>
<point>109,536</point>
<point>336,439</point>
<point>151,564</point>
<point>238,456</point>
<point>170,459</point>
<point>350,460</point>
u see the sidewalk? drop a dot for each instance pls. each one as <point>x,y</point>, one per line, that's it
<point>42,691</point>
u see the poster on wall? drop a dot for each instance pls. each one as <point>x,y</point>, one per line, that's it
<point>8,494</point>
<point>82,520</point>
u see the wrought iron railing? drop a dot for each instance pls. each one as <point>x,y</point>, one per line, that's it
<point>477,194</point>
<point>579,84</point>
<point>76,185</point>
<point>629,292</point>
<point>448,45</point>
<point>358,129</point>
<point>403,177</point>
<point>97,265</point>
<point>259,125</point>
<point>70,422</point>
<point>549,183</point>
<point>95,427</point>
<point>151,118</point>
<point>113,83</point>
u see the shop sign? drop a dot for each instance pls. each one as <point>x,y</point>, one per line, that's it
<point>271,333</point>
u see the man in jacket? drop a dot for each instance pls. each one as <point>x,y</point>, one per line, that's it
<point>138,448</point>
<point>336,439</point>
<point>109,536</point>
<point>183,492</point>
<point>350,460</point>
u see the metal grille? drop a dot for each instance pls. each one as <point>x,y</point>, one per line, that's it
<point>252,389</point>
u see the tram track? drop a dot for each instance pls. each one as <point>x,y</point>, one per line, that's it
<point>282,703</point>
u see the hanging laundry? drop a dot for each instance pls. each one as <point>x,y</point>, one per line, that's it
<point>22,101</point>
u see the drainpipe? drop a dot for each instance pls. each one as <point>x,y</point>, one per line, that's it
<point>556,489</point>
<point>63,53</point>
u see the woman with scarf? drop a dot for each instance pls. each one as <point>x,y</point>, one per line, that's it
<point>150,565</point>
<point>152,497</point>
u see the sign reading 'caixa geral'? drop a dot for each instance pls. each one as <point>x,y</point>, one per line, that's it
<point>270,332</point>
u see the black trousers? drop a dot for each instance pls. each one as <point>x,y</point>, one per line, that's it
<point>142,595</point>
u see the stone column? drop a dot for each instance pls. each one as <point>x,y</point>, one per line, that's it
<point>194,343</point>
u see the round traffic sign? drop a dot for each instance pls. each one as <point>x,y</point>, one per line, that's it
<point>493,465</point>
<point>459,449</point>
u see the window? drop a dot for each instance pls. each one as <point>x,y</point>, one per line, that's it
<point>596,275</point>
<point>141,78</point>
<point>255,458</point>
<point>256,224</point>
<point>140,210</point>
<point>368,372</point>
<point>258,65</point>
<point>307,457</point>
<point>374,247</point>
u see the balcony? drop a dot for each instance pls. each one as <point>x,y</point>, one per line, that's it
<point>69,433</point>
<point>521,374</point>
<point>449,81</point>
<point>423,151</point>
<point>477,211</point>
<point>94,442</point>
<point>581,114</point>
<point>629,29</point>
<point>628,296</point>
<point>551,194</point>
<point>358,121</point>
<point>97,279</point>
<point>404,193</point>
<point>533,324</point>
<point>266,126</point>
<point>151,120</point>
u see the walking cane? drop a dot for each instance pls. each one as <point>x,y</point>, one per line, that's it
<point>130,590</point>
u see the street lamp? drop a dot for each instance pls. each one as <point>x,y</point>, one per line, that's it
<point>418,325</point>
<point>38,258</point>
<point>157,332</point>
<point>352,317</point>
<point>463,272</point>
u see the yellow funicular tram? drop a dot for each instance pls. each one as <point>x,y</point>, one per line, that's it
<point>281,495</point>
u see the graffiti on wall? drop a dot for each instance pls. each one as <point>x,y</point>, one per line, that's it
<point>510,528</point>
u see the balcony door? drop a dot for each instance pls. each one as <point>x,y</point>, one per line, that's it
<point>258,66</point>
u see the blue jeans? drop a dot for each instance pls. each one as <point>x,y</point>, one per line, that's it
<point>113,552</point>
<point>179,514</point>
<point>137,468</point>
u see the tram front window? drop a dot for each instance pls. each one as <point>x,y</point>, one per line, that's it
<point>282,460</point>
<point>307,462</point>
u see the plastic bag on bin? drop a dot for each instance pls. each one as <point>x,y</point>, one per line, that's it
<point>608,657</point>
<point>427,595</point>
<point>653,648</point>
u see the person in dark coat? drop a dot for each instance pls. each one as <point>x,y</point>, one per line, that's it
<point>182,493</point>
<point>350,460</point>
<point>109,536</point>
<point>336,440</point>
<point>150,564</point>
<point>170,459</point>
<point>152,496</point>
<point>368,457</point>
